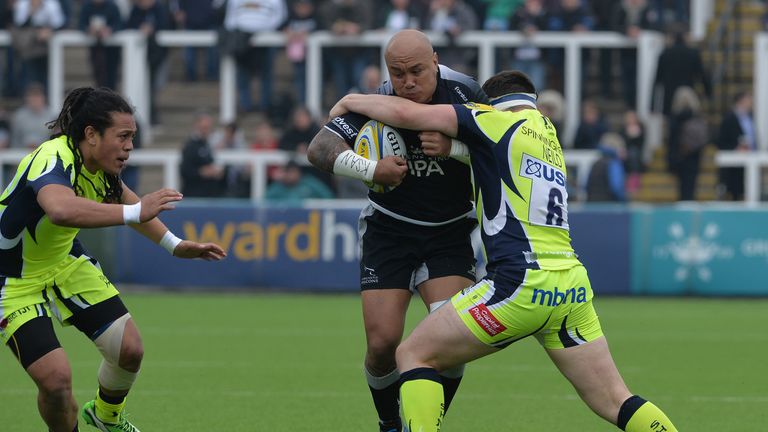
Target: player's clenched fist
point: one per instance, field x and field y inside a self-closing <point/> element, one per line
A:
<point x="390" y="171"/>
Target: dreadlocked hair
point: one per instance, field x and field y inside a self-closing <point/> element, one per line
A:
<point x="83" y="107"/>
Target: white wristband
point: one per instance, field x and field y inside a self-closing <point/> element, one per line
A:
<point x="132" y="213"/>
<point x="169" y="242"/>
<point x="459" y="151"/>
<point x="351" y="164"/>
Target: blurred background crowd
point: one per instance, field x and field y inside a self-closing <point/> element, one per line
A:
<point x="702" y="111"/>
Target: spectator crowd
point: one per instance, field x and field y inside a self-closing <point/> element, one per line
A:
<point x="682" y="83"/>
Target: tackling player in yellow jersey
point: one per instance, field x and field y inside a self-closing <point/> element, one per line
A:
<point x="67" y="183"/>
<point x="536" y="285"/>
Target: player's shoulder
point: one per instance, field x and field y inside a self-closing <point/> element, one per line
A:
<point x="55" y="146"/>
<point x="462" y="86"/>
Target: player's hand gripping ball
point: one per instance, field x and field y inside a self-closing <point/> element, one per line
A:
<point x="376" y="141"/>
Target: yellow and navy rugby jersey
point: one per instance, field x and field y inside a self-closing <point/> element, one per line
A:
<point x="520" y="188"/>
<point x="29" y="243"/>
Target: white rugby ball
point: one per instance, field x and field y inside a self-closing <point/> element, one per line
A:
<point x="376" y="141"/>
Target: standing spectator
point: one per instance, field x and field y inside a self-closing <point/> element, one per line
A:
<point x="452" y="17"/>
<point x="633" y="133"/>
<point x="243" y="19"/>
<point x="591" y="128"/>
<point x="688" y="135"/>
<point x="292" y="186"/>
<point x="149" y="17"/>
<point x="631" y="18"/>
<point x="679" y="65"/>
<point x="571" y="16"/>
<point x="604" y="14"/>
<point x="606" y="181"/>
<point x="399" y="15"/>
<point x="5" y="142"/>
<point x="737" y="132"/>
<point x="28" y="124"/>
<point x="101" y="19"/>
<point x="301" y="22"/>
<point x="35" y="21"/>
<point x="498" y="13"/>
<point x="347" y="18"/>
<point x="197" y="15"/>
<point x="200" y="175"/>
<point x="7" y="73"/>
<point x="529" y="19"/>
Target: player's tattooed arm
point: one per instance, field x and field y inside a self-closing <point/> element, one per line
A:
<point x="325" y="147"/>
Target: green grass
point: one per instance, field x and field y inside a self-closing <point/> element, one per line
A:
<point x="293" y="363"/>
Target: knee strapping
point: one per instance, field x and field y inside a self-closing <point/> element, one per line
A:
<point x="109" y="343"/>
<point x="113" y="377"/>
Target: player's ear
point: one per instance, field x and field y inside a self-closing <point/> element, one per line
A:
<point x="90" y="134"/>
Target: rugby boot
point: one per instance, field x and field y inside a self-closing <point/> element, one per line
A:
<point x="390" y="426"/>
<point x="88" y="413"/>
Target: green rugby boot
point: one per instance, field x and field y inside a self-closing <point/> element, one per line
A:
<point x="88" y="413"/>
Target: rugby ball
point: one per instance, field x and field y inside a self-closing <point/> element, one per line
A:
<point x="376" y="141"/>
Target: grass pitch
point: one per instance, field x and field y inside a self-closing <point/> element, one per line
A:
<point x="268" y="362"/>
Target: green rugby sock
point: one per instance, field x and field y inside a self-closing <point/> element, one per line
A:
<point x="109" y="410"/>
<point x="638" y="415"/>
<point x="421" y="396"/>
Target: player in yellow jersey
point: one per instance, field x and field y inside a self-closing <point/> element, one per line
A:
<point x="68" y="183"/>
<point x="535" y="286"/>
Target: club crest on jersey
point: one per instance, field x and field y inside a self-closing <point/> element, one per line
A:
<point x="533" y="168"/>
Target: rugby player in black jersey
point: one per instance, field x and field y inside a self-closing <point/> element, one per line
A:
<point x="416" y="237"/>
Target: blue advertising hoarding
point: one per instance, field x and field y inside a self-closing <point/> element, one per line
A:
<point x="317" y="249"/>
<point x="267" y="247"/>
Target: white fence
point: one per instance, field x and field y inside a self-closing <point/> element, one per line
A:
<point x="649" y="45"/>
<point x="170" y="162"/>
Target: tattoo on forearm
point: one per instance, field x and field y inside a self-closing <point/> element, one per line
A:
<point x="328" y="147"/>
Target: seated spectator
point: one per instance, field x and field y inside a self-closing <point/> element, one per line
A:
<point x="28" y="124"/>
<point x="369" y="81"/>
<point x="552" y="104"/>
<point x="300" y="131"/>
<point x="498" y="14"/>
<point x="591" y="128"/>
<point x="292" y="186"/>
<point x="100" y="19"/>
<point x="200" y="175"/>
<point x="633" y="133"/>
<point x="688" y="135"/>
<point x="606" y="178"/>
<point x="238" y="177"/>
<point x="265" y="138"/>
